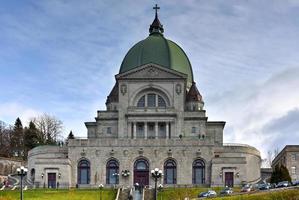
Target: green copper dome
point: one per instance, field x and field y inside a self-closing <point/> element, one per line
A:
<point x="159" y="50"/>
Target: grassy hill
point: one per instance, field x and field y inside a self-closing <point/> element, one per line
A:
<point x="41" y="194"/>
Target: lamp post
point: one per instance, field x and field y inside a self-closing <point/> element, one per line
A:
<point x="156" y="174"/>
<point x="22" y="171"/>
<point x="101" y="188"/>
<point x="125" y="173"/>
<point x="160" y="187"/>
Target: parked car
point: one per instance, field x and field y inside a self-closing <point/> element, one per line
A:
<point x="246" y="188"/>
<point x="226" y="191"/>
<point x="264" y="186"/>
<point x="210" y="193"/>
<point x="283" y="184"/>
<point x="295" y="183"/>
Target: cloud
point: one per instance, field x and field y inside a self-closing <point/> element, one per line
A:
<point x="60" y="57"/>
<point x="252" y="111"/>
<point x="10" y="111"/>
<point x="283" y="130"/>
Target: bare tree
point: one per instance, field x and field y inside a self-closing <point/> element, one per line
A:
<point x="271" y="155"/>
<point x="270" y="158"/>
<point x="50" y="128"/>
<point x="276" y="152"/>
<point x="5" y="135"/>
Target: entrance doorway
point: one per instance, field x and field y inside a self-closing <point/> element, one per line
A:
<point x="51" y="180"/>
<point x="141" y="172"/>
<point x="229" y="179"/>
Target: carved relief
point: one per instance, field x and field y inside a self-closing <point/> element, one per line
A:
<point x="83" y="154"/>
<point x="140" y="151"/>
<point x="178" y="88"/>
<point x="123" y="89"/>
<point x="152" y="72"/>
<point x="112" y="152"/>
<point x="125" y="152"/>
<point x="98" y="153"/>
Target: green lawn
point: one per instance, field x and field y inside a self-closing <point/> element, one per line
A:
<point x="181" y="193"/>
<point x="41" y="194"/>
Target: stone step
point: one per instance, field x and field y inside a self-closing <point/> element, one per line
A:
<point x="149" y="194"/>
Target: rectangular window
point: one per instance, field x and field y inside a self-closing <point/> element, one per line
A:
<point x="109" y="130"/>
<point x="293" y="157"/>
<point x="193" y="129"/>
<point x="293" y="169"/>
<point x="151" y="100"/>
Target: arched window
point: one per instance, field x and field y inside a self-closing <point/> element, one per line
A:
<point x="161" y="102"/>
<point x="141" y="102"/>
<point x="32" y="174"/>
<point x="170" y="172"/>
<point x="83" y="172"/>
<point x="112" y="172"/>
<point x="198" y="172"/>
<point x="151" y="100"/>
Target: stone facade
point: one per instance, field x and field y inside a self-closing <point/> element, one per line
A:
<point x="154" y="118"/>
<point x="289" y="157"/>
<point x="189" y="136"/>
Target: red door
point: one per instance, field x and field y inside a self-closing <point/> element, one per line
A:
<point x="229" y="179"/>
<point x="142" y="178"/>
<point x="141" y="172"/>
<point x="51" y="180"/>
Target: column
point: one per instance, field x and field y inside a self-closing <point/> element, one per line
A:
<point x="156" y="130"/>
<point x="167" y="130"/>
<point x="134" y="130"/>
<point x="145" y="130"/>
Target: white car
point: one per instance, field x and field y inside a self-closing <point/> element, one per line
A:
<point x="210" y="193"/>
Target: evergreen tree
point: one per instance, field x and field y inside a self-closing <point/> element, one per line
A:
<point x="275" y="174"/>
<point x="279" y="174"/>
<point x="31" y="137"/>
<point x="71" y="135"/>
<point x="285" y="176"/>
<point x="16" y="141"/>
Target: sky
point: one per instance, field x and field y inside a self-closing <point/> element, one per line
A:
<point x="60" y="57"/>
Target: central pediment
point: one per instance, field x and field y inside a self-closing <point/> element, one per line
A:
<point x="151" y="71"/>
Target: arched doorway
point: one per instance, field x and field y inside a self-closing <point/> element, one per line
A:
<point x="141" y="172"/>
<point x="32" y="175"/>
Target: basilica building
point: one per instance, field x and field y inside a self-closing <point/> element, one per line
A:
<point x="154" y="118"/>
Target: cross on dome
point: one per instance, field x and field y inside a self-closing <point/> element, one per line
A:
<point x="156" y="26"/>
<point x="156" y="8"/>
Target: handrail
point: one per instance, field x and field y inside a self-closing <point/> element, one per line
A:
<point x="143" y="192"/>
<point x="117" y="195"/>
<point x="131" y="193"/>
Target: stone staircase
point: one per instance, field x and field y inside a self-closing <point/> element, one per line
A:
<point x="124" y="194"/>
